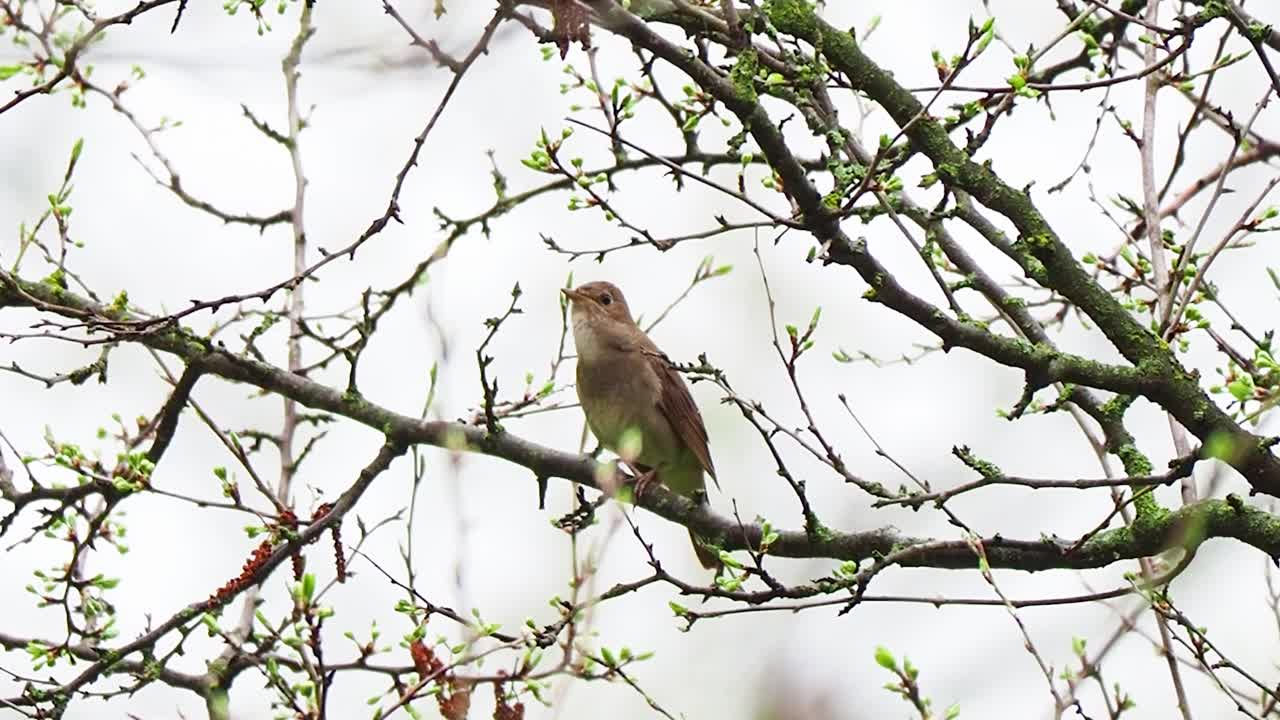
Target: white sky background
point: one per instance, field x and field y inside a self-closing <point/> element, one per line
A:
<point x="372" y="94"/>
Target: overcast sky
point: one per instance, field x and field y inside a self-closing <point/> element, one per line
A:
<point x="482" y="541"/>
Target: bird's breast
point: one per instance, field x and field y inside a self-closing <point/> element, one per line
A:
<point x="619" y="394"/>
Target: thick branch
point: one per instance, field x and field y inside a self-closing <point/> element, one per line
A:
<point x="1157" y="374"/>
<point x="1187" y="527"/>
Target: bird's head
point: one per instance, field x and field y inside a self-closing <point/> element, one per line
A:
<point x="601" y="319"/>
<point x="598" y="301"/>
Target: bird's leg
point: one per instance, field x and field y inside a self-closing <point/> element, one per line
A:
<point x="644" y="477"/>
<point x="644" y="481"/>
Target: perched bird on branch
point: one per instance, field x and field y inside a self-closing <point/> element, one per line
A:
<point x="636" y="404"/>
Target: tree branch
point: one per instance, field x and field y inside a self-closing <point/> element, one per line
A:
<point x="1188" y="526"/>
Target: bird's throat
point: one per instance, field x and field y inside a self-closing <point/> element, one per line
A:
<point x="590" y="338"/>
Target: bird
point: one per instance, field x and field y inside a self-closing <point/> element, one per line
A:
<point x="636" y="404"/>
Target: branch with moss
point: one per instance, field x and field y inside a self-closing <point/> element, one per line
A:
<point x="1156" y="374"/>
<point x="1189" y="525"/>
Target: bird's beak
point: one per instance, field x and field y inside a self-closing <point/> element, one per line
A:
<point x="572" y="294"/>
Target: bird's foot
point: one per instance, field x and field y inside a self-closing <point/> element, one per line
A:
<point x="643" y="481"/>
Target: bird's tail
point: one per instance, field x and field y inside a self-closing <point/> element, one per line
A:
<point x="708" y="557"/>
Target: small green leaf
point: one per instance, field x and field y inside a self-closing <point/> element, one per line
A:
<point x="307" y="589"/>
<point x="1241" y="388"/>
<point x="76" y="149"/>
<point x="813" y="321"/>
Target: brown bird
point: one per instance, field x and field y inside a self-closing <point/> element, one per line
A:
<point x="635" y="403"/>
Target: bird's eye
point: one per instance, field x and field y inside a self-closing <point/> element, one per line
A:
<point x="605" y="299"/>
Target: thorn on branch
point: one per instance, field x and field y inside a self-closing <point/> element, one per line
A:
<point x="182" y="7"/>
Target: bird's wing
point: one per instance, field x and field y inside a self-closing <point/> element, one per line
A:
<point x="677" y="405"/>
